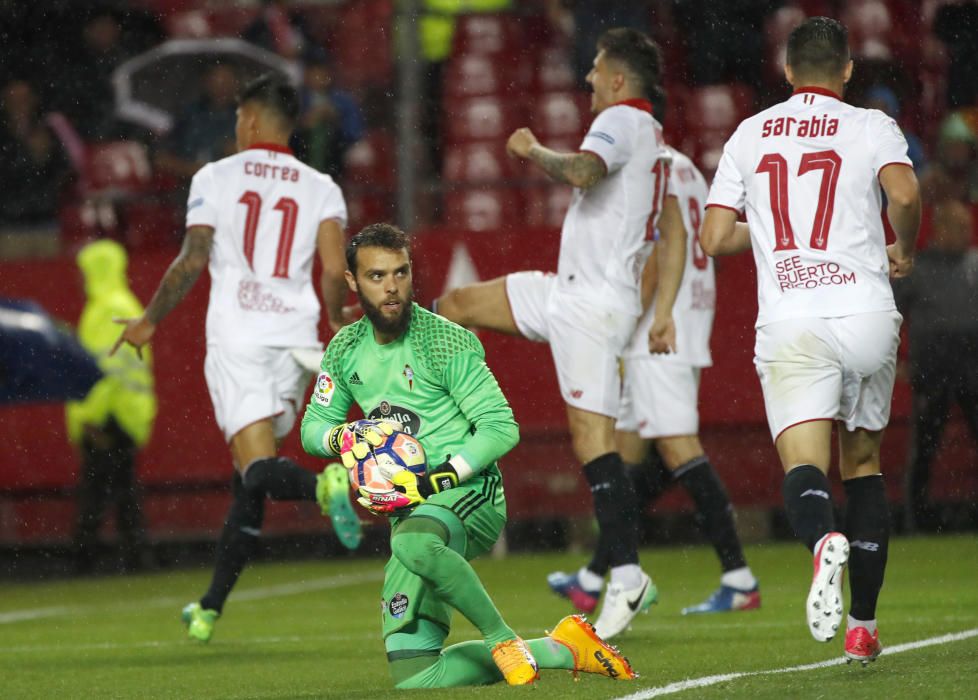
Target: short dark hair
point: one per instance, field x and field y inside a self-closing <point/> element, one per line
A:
<point x="818" y="47"/>
<point x="386" y="236"/>
<point x="638" y="52"/>
<point x="275" y="93"/>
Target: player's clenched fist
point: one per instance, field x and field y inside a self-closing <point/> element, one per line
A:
<point x="520" y="143"/>
<point x="901" y="263"/>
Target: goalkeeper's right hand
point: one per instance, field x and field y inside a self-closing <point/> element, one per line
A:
<point x="351" y="441"/>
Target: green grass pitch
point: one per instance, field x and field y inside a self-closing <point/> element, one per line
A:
<point x="311" y="630"/>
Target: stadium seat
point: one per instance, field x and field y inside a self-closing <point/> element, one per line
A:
<point x="479" y="119"/>
<point x="719" y="107"/>
<point x="560" y="115"/>
<point x="546" y="205"/>
<point x="361" y="42"/>
<point x="484" y="209"/>
<point x="487" y="34"/>
<point x="553" y="71"/>
<point x="477" y="162"/>
<point x="116" y="170"/>
<point x="371" y="160"/>
<point x="472" y="75"/>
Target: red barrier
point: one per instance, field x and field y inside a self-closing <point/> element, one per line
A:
<point x="541" y="476"/>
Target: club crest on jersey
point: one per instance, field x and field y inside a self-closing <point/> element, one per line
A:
<point x="409" y="420"/>
<point x="409" y="375"/>
<point x="323" y="394"/>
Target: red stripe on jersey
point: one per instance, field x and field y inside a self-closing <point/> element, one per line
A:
<point x="818" y="91"/>
<point x="277" y="147"/>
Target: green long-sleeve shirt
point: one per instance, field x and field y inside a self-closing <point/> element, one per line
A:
<point x="433" y="380"/>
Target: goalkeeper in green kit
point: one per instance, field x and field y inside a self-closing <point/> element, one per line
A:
<point x="415" y="371"/>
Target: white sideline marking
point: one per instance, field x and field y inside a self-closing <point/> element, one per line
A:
<point x="276" y="591"/>
<point x="680" y="686"/>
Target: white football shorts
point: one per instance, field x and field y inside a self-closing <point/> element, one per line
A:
<point x="585" y="340"/>
<point x="250" y="383"/>
<point x="828" y="369"/>
<point x="659" y="399"/>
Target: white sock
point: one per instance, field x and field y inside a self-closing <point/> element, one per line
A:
<point x="627" y="575"/>
<point x="742" y="579"/>
<point x="870" y="625"/>
<point x="590" y="581"/>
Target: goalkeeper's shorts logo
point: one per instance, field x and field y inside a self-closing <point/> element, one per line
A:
<point x="398" y="605"/>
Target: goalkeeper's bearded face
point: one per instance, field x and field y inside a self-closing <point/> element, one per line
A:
<point x="383" y="284"/>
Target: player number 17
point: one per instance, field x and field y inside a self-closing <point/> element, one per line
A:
<point x="776" y="167"/>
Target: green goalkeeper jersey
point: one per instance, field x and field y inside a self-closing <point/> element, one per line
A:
<point x="433" y="380"/>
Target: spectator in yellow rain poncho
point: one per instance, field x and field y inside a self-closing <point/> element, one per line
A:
<point x="116" y="418"/>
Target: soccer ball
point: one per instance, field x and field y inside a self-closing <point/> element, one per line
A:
<point x="398" y="451"/>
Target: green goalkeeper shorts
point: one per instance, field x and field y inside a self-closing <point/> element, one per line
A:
<point x="473" y="524"/>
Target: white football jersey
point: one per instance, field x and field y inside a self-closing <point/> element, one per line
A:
<point x="608" y="226"/>
<point x="807" y="173"/>
<point x="265" y="207"/>
<point x="696" y="300"/>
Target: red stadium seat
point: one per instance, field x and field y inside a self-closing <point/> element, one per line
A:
<point x="361" y="42"/>
<point x="487" y="34"/>
<point x="719" y="107"/>
<point x="547" y="205"/>
<point x="477" y="162"/>
<point x="553" y="71"/>
<point x="371" y="160"/>
<point x="116" y="169"/>
<point x="472" y="75"/>
<point x="479" y="119"/>
<point x="483" y="209"/>
<point x="560" y="114"/>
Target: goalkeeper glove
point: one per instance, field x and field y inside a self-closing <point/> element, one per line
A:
<point x="410" y="490"/>
<point x="342" y="439"/>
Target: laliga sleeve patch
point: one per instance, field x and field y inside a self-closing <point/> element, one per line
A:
<point x="323" y="393"/>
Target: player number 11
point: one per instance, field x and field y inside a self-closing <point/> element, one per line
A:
<point x="775" y="165"/>
<point x="290" y="212"/>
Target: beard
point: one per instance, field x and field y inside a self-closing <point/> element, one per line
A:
<point x="396" y="326"/>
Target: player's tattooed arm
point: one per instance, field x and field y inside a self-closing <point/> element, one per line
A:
<point x="578" y="169"/>
<point x="182" y="273"/>
<point x="581" y="170"/>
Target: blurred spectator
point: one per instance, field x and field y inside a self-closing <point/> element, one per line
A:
<point x="330" y="122"/>
<point x="84" y="85"/>
<point x="885" y="100"/>
<point x="726" y="39"/>
<point x="586" y="20"/>
<point x="953" y="174"/>
<point x="956" y="24"/>
<point x="940" y="298"/>
<point x="205" y="131"/>
<point x="278" y="30"/>
<point x="116" y="417"/>
<point x="33" y="166"/>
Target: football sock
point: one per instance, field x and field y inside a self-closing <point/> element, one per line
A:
<point x="714" y="512"/>
<point x="742" y="579"/>
<point x="614" y="506"/>
<point x="470" y="663"/>
<point x="649" y="480"/>
<point x="808" y="501"/>
<point x="239" y="538"/>
<point x="868" y="528"/>
<point x="627" y="575"/>
<point x="591" y="580"/>
<point x="426" y="553"/>
<point x="280" y="479"/>
<point x="852" y="622"/>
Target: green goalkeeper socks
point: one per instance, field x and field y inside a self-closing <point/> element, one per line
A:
<point x="426" y="554"/>
<point x="470" y="663"/>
